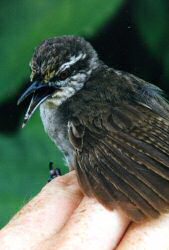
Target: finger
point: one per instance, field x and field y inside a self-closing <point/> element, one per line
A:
<point x="91" y="227"/>
<point x="45" y="214"/>
<point x="149" y="235"/>
<point x="62" y="196"/>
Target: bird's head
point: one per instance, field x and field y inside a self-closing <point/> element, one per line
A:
<point x="60" y="67"/>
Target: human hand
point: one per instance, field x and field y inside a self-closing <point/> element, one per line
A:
<point x="60" y="217"/>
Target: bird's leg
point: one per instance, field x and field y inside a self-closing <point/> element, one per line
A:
<point x="53" y="172"/>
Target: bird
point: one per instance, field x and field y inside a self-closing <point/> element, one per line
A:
<point x="112" y="126"/>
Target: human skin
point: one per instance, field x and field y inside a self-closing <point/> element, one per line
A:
<point x="60" y="217"/>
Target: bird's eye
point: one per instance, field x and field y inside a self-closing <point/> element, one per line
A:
<point x="64" y="74"/>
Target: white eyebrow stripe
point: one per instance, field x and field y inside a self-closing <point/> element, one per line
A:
<point x="72" y="61"/>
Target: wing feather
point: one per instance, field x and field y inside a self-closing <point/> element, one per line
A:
<point x="122" y="159"/>
<point x="135" y="183"/>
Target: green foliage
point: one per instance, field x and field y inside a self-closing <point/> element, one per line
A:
<point x="152" y="19"/>
<point x="24" y="24"/>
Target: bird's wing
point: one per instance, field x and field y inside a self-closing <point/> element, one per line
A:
<point x="122" y="159"/>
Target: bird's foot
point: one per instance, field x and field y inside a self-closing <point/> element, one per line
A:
<point x="53" y="172"/>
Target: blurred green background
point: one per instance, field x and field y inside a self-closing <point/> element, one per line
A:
<point x="128" y="35"/>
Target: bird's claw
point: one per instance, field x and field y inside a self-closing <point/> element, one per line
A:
<point x="53" y="172"/>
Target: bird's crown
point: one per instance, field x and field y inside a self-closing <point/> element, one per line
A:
<point x="62" y="54"/>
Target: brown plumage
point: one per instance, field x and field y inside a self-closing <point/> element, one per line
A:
<point x="124" y="163"/>
<point x="112" y="126"/>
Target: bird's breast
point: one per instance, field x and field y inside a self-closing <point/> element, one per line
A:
<point x="55" y="125"/>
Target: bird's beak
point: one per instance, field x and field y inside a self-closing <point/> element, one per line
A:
<point x="40" y="92"/>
